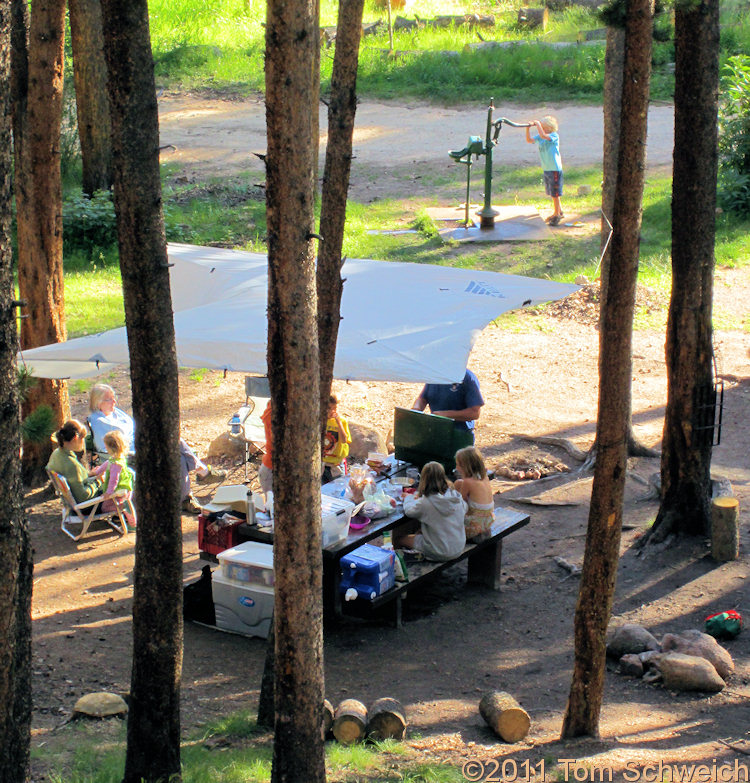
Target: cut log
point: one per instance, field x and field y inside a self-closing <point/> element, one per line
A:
<point x="350" y="721"/>
<point x="386" y="720"/>
<point x="505" y="716"/>
<point x="533" y="18"/>
<point x="325" y="728"/>
<point x="725" y="529"/>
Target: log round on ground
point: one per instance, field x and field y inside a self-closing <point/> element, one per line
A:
<point x="725" y="532"/>
<point x="505" y="716"/>
<point x="327" y="724"/>
<point x="350" y="721"/>
<point x="386" y="720"/>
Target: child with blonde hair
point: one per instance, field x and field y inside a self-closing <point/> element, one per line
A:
<point x="440" y="511"/>
<point x="118" y="478"/>
<point x="476" y="490"/>
<point x="548" y="143"/>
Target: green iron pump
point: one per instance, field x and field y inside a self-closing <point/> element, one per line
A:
<point x="475" y="146"/>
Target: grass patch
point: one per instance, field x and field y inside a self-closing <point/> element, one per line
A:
<point x="94" y="752"/>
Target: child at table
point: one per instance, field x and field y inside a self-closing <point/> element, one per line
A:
<point x="118" y="478"/>
<point x="476" y="490"/>
<point x="440" y="510"/>
<point x="336" y="442"/>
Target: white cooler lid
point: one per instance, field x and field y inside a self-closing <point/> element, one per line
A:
<point x="249" y="553"/>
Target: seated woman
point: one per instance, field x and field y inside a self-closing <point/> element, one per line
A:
<point x="105" y="416"/>
<point x="440" y="511"/>
<point x="70" y="439"/>
<point x="476" y="490"/>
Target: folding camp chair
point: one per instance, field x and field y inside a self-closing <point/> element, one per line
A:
<point x="257" y="394"/>
<point x="87" y="511"/>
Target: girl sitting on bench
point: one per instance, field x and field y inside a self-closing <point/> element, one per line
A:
<point x="440" y="511"/>
<point x="476" y="490"/>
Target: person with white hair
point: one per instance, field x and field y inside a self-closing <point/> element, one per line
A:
<point x="105" y="416"/>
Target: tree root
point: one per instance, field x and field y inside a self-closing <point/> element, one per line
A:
<point x="563" y="443"/>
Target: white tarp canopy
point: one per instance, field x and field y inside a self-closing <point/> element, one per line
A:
<point x="400" y="321"/>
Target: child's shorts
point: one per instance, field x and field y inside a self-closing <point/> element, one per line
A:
<point x="553" y="183"/>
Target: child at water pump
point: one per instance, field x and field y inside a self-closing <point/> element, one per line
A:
<point x="548" y="143"/>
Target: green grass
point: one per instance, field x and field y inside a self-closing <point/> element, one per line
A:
<point x="231" y="213"/>
<point x="230" y="750"/>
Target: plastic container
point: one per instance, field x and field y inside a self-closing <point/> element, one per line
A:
<point x="250" y="563"/>
<point x="336" y="513"/>
<point x="369" y="570"/>
<point x="241" y="608"/>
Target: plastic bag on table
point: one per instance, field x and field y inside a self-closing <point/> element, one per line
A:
<point x="377" y="503"/>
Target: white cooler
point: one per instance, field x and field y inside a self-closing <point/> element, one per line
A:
<point x="242" y="608"/>
<point x="243" y="589"/>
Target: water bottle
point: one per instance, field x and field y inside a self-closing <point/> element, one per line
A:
<point x="234" y="424"/>
<point x="250" y="508"/>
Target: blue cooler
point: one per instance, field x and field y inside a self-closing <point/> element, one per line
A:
<point x="369" y="571"/>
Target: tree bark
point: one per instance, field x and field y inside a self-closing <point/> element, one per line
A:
<point x="15" y="549"/>
<point x="341" y="111"/>
<point x="153" y="741"/>
<point x="92" y="102"/>
<point x="686" y="451"/>
<point x="38" y="189"/>
<point x="294" y="373"/>
<point x="601" y="557"/>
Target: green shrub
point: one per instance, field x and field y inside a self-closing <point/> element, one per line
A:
<point x="89" y="223"/>
<point x="39" y="425"/>
<point x="734" y="136"/>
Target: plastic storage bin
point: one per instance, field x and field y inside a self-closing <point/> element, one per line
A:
<point x="242" y="608"/>
<point x="336" y="515"/>
<point x="250" y="563"/>
<point x="369" y="570"/>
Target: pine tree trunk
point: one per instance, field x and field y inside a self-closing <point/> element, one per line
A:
<point x="341" y="111"/>
<point x="38" y="191"/>
<point x="294" y="372"/>
<point x="686" y="450"/>
<point x="601" y="557"/>
<point x="153" y="742"/>
<point x="92" y="103"/>
<point x="15" y="548"/>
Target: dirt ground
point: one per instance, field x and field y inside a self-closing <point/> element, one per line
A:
<point x="457" y="642"/>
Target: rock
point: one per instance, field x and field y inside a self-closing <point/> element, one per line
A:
<point x="631" y="665"/>
<point x="631" y="638"/>
<point x="226" y="447"/>
<point x="682" y="672"/>
<point x="582" y="280"/>
<point x="100" y="705"/>
<point x="364" y="440"/>
<point x="702" y="645"/>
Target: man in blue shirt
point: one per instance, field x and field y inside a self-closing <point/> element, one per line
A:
<point x="461" y="402"/>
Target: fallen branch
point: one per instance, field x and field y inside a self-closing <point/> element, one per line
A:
<point x="735" y="748"/>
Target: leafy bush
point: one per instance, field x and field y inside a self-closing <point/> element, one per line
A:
<point x="734" y="136"/>
<point x="89" y="223"/>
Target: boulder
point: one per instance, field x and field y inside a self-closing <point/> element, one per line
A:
<point x="364" y="440"/>
<point x="226" y="446"/>
<point x="630" y="638"/>
<point x="100" y="705"/>
<point x="682" y="672"/>
<point x="694" y="642"/>
<point x="631" y="666"/>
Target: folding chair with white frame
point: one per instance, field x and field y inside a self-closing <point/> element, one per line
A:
<point x="257" y="394"/>
<point x="88" y="511"/>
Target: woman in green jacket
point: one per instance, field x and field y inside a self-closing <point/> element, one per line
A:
<point x="70" y="438"/>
